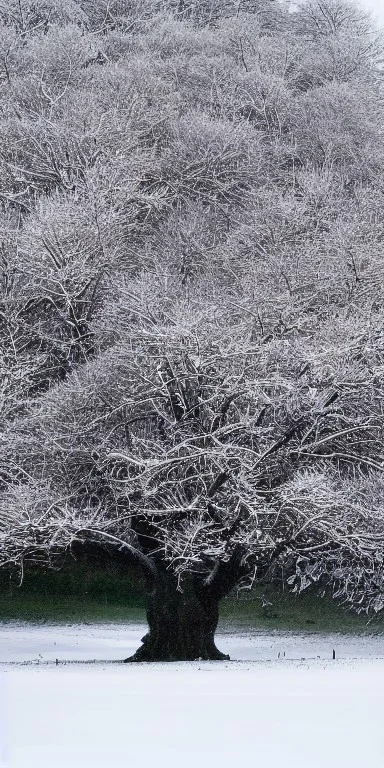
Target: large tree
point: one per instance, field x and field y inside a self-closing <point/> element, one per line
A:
<point x="192" y="345"/>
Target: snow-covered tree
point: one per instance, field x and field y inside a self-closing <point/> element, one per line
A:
<point x="192" y="339"/>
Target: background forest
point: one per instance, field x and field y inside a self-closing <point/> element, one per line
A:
<point x="191" y="290"/>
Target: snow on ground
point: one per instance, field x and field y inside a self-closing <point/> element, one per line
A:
<point x="195" y="716"/>
<point x="25" y="642"/>
<point x="278" y="714"/>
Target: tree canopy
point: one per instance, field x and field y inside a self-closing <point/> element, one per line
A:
<point x="191" y="289"/>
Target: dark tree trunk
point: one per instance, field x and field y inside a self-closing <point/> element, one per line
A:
<point x="182" y="625"/>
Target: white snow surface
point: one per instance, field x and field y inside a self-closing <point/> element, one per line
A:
<point x="83" y="642"/>
<point x="289" y="712"/>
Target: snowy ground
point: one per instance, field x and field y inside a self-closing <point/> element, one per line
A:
<point x="282" y="713"/>
<point x="20" y="643"/>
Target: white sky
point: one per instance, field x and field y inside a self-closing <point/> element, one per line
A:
<point x="377" y="8"/>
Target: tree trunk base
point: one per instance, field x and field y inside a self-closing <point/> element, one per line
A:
<point x="182" y="625"/>
<point x="142" y="655"/>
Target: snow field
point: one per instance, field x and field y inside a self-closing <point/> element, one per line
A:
<point x="21" y="642"/>
<point x="281" y="713"/>
<point x="194" y="715"/>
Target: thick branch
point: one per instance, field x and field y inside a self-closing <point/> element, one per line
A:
<point x="109" y="541"/>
